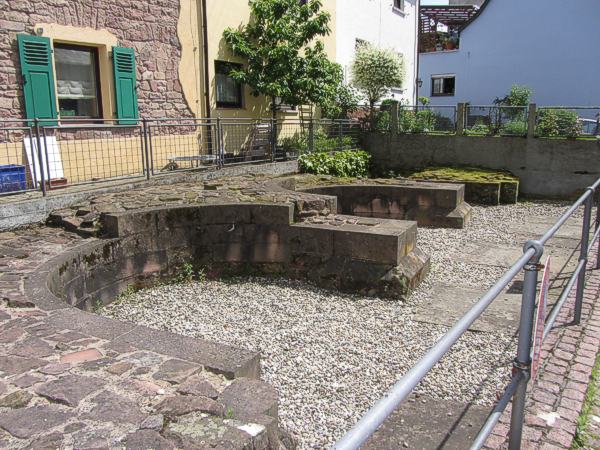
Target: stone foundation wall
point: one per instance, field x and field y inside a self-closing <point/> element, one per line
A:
<point x="429" y="204"/>
<point x="555" y="168"/>
<point x="149" y="27"/>
<point x="371" y="256"/>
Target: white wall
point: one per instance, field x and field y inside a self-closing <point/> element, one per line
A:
<point x="549" y="45"/>
<point x="377" y="22"/>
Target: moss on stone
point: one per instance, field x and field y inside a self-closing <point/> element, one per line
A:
<point x="468" y="174"/>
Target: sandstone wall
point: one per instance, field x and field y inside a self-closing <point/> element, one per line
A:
<point x="148" y="26"/>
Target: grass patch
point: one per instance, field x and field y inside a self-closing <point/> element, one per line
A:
<point x="592" y="399"/>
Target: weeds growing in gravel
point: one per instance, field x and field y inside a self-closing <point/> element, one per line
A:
<point x="592" y="398"/>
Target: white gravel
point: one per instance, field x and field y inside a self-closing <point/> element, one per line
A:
<point x="331" y="355"/>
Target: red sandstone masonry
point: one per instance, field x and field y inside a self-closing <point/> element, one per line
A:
<point x="149" y="27"/>
<point x="568" y="357"/>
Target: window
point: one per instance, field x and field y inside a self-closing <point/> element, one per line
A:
<point x="359" y="43"/>
<point x="442" y="85"/>
<point x="399" y="4"/>
<point x="229" y="91"/>
<point x="77" y="81"/>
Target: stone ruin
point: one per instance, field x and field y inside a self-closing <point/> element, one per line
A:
<point x="353" y="237"/>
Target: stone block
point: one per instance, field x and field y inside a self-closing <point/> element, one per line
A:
<point x="249" y="396"/>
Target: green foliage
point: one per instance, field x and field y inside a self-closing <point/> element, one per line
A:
<point x="344" y="101"/>
<point x="515" y="128"/>
<point x="518" y="96"/>
<point x="298" y="143"/>
<point x="284" y="56"/>
<point x="348" y="163"/>
<point x="423" y="101"/>
<point x="187" y="273"/>
<point x="557" y="123"/>
<point x="375" y="71"/>
<point x="422" y="121"/>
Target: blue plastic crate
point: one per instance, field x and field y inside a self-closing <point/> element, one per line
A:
<point x="12" y="178"/>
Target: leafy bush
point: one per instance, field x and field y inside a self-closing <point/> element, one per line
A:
<point x="515" y="127"/>
<point x="410" y="121"/>
<point x="348" y="163"/>
<point x="557" y="122"/>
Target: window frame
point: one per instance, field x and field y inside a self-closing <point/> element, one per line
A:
<point x="228" y="105"/>
<point x="96" y="55"/>
<point x="399" y="5"/>
<point x="443" y="78"/>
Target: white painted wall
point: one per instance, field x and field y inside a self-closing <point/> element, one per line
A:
<point x="379" y="23"/>
<point x="549" y="45"/>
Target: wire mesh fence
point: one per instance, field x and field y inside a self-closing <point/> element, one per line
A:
<point x="19" y="158"/>
<point x="496" y="120"/>
<point x="181" y="144"/>
<point x="432" y="119"/>
<point x="246" y="141"/>
<point x="567" y="121"/>
<point x="79" y="153"/>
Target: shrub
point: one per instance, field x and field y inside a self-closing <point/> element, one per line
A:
<point x="410" y="121"/>
<point x="515" y="127"/>
<point x="348" y="163"/>
<point x="557" y="122"/>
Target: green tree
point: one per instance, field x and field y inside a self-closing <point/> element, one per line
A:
<point x="284" y="56"/>
<point x="375" y="71"/>
<point x="344" y="101"/>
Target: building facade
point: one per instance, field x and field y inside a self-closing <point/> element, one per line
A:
<point x="538" y="43"/>
<point x="389" y="24"/>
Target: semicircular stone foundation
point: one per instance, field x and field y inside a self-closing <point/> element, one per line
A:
<point x="298" y="235"/>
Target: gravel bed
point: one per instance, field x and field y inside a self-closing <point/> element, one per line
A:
<point x="331" y="355"/>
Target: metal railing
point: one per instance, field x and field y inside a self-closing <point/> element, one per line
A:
<point x="517" y="388"/>
<point x="565" y="122"/>
<point x="37" y="156"/>
<point x="496" y="120"/>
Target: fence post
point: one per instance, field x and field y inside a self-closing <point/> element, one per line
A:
<point x="585" y="239"/>
<point x="220" y="149"/>
<point x="38" y="142"/>
<point x="596" y="226"/>
<point x="273" y="138"/>
<point x="146" y="151"/>
<point x="522" y="362"/>
<point x="531" y="120"/>
<point x="460" y="119"/>
<point x="394" y="118"/>
<point x="340" y="135"/>
<point x="311" y="136"/>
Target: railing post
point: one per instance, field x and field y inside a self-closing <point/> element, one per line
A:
<point x="596" y="226"/>
<point x="220" y="149"/>
<point x="273" y="138"/>
<point x="460" y="119"/>
<point x="146" y="151"/>
<point x="311" y="136"/>
<point x="531" y="120"/>
<point x="522" y="362"/>
<point x="585" y="239"/>
<point x="38" y="142"/>
<point x="394" y="118"/>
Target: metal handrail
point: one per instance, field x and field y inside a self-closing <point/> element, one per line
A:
<point x="516" y="390"/>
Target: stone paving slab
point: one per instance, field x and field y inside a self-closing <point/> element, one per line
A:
<point x="446" y="304"/>
<point x="423" y="423"/>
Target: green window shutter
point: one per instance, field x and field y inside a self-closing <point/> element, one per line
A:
<point x="125" y="85"/>
<point x="39" y="89"/>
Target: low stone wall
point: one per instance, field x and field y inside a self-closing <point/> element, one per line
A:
<point x="144" y="246"/>
<point x="429" y="204"/>
<point x="556" y="168"/>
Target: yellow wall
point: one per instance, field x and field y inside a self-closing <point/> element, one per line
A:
<point x="236" y="13"/>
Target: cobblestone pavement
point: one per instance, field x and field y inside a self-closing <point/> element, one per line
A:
<point x="568" y="357"/>
<point x="68" y="382"/>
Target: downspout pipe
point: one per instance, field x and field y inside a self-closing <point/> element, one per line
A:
<point x="205" y="59"/>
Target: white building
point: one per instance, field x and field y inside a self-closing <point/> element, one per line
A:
<point x="388" y="24"/>
<point x="551" y="46"/>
